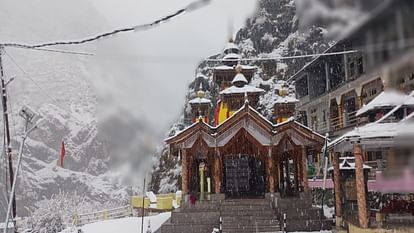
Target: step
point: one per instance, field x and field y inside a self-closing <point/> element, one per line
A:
<point x="196" y="217"/>
<point x="259" y="222"/>
<point x="248" y="213"/>
<point x="313" y="213"/>
<point x="247" y="218"/>
<point x="251" y="229"/>
<point x="186" y="228"/>
<point x="245" y="208"/>
<point x="308" y="225"/>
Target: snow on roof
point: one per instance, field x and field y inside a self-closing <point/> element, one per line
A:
<point x="239" y="78"/>
<point x="232" y="56"/>
<point x="369" y="131"/>
<point x="231" y="45"/>
<point x="244" y="89"/>
<point x="199" y="100"/>
<point x="224" y="67"/>
<point x="388" y="98"/>
<point x="200" y="75"/>
<point x="286" y="99"/>
<point x="348" y="163"/>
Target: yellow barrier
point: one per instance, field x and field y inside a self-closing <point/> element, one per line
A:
<point x="171" y="195"/>
<point x="178" y="200"/>
<point x="164" y="203"/>
<point x="136" y="202"/>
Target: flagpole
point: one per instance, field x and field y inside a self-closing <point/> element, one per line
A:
<point x="325" y="168"/>
<point x="143" y="202"/>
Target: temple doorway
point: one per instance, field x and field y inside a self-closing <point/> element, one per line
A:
<point x="244" y="176"/>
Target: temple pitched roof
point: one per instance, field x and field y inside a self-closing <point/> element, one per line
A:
<point x="239" y="78"/>
<point x="241" y="90"/>
<point x="246" y="118"/>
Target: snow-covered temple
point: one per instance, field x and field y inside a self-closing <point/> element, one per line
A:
<point x="241" y="153"/>
<point x="246" y="155"/>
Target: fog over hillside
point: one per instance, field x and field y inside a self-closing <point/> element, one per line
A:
<point x="111" y="109"/>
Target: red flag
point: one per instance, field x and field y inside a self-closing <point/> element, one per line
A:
<point x="62" y="153"/>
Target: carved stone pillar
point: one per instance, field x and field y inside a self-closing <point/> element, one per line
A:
<point x="360" y="187"/>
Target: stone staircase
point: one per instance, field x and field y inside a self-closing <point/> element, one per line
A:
<point x="199" y="218"/>
<point x="248" y="216"/>
<point x="300" y="214"/>
<point x="238" y="216"/>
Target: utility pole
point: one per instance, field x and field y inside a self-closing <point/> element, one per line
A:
<point x="143" y="208"/>
<point x="7" y="133"/>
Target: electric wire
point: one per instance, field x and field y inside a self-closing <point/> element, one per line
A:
<point x="190" y="7"/>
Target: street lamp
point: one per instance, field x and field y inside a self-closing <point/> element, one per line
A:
<point x="28" y="115"/>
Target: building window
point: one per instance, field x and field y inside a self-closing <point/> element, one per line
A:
<point x="324" y="116"/>
<point x="303" y="118"/>
<point x="302" y="87"/>
<point x="351" y="69"/>
<point x="360" y="66"/>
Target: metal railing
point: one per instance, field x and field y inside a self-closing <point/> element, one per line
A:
<point x="107" y="214"/>
<point x="347" y="119"/>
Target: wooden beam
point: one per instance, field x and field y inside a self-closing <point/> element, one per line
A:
<point x="217" y="176"/>
<point x="337" y="187"/>
<point x="305" y="169"/>
<point x="270" y="172"/>
<point x="360" y="187"/>
<point x="184" y="172"/>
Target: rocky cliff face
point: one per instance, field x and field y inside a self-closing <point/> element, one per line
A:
<point x="271" y="33"/>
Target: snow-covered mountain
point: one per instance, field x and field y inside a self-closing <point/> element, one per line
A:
<point x="60" y="87"/>
<point x="271" y="33"/>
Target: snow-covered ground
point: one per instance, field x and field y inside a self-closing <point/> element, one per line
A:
<point x="125" y="225"/>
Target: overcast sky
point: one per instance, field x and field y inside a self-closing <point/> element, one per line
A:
<point x="145" y="72"/>
<point x="160" y="63"/>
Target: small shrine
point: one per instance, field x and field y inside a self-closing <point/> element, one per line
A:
<point x="285" y="105"/>
<point x="223" y="74"/>
<point x="200" y="107"/>
<point x="233" y="97"/>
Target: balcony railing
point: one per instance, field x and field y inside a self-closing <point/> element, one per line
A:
<point x="348" y="119"/>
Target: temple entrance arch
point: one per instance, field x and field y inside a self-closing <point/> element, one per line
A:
<point x="244" y="176"/>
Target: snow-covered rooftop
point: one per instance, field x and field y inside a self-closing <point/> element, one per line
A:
<point x="232" y="56"/>
<point x="388" y="98"/>
<point x="369" y="131"/>
<point x="224" y="67"/>
<point x="239" y="78"/>
<point x="200" y="75"/>
<point x="286" y="99"/>
<point x="244" y="89"/>
<point x="231" y="46"/>
<point x="199" y="100"/>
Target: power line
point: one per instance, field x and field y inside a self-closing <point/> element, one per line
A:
<point x="60" y="51"/>
<point x="281" y="58"/>
<point x="191" y="7"/>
